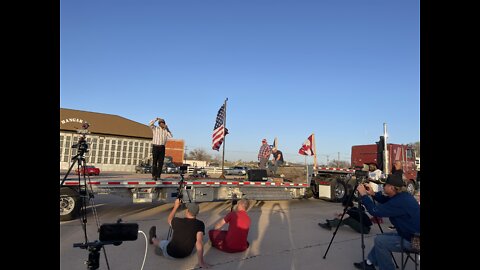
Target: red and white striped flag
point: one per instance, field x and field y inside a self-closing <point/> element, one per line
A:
<point x="219" y="131"/>
<point x="307" y="147"/>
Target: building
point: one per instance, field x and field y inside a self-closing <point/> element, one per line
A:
<point x="114" y="143"/>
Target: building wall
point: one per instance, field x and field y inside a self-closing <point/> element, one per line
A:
<point x="114" y="153"/>
<point x="109" y="153"/>
<point x="175" y="149"/>
<point x="114" y="142"/>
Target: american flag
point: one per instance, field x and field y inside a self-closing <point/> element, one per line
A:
<point x="219" y="131"/>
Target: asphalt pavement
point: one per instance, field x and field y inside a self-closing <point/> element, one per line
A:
<point x="283" y="235"/>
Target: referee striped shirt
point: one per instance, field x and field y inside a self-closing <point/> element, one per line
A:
<point x="160" y="135"/>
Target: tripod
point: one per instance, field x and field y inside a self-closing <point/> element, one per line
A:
<point x="181" y="186"/>
<point x="84" y="195"/>
<point x="361" y="211"/>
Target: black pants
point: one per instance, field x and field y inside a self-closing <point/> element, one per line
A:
<point x="158" y="154"/>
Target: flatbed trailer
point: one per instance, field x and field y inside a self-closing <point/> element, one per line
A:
<point x="166" y="190"/>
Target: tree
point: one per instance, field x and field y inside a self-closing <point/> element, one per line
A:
<point x="199" y="154"/>
<point x="416" y="147"/>
<point x="339" y="164"/>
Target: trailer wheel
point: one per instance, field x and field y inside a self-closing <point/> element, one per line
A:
<point x="411" y="187"/>
<point x="69" y="204"/>
<point x="339" y="190"/>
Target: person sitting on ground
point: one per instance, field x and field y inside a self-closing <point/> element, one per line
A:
<point x="235" y="238"/>
<point x="351" y="218"/>
<point x="187" y="233"/>
<point x="404" y="213"/>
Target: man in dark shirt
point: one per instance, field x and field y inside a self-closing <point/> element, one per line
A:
<point x="352" y="219"/>
<point x="277" y="160"/>
<point x="187" y="233"/>
<point x="397" y="168"/>
<point x="404" y="213"/>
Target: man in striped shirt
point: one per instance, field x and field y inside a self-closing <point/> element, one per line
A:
<point x="161" y="133"/>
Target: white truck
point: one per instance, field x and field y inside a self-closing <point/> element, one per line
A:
<point x="236" y="170"/>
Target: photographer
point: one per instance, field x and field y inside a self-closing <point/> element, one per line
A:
<point x="161" y="133"/>
<point x="352" y="219"/>
<point x="404" y="213"/>
<point x="187" y="233"/>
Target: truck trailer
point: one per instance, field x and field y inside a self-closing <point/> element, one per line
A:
<point x="72" y="191"/>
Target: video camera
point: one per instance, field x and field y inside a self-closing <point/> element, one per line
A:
<point x="82" y="145"/>
<point x="361" y="175"/>
<point x="183" y="169"/>
<point x="364" y="178"/>
<point x="110" y="233"/>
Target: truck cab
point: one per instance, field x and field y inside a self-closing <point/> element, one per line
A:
<point x="369" y="154"/>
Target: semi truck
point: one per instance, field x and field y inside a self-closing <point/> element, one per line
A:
<point x="335" y="183"/>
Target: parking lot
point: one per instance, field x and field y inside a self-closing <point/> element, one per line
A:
<point x="283" y="235"/>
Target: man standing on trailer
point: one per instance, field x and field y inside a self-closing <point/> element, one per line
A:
<point x="161" y="133"/>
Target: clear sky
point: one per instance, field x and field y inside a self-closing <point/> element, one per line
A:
<point x="289" y="68"/>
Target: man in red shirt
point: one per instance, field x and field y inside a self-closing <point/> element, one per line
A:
<point x="235" y="239"/>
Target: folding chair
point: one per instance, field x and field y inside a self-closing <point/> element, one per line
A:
<point x="412" y="253"/>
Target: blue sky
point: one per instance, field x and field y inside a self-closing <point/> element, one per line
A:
<point x="335" y="68"/>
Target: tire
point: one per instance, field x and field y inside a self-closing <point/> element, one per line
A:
<point x="308" y="193"/>
<point x="69" y="204"/>
<point x="411" y="187"/>
<point x="338" y="189"/>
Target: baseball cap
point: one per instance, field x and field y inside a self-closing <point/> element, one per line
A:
<point x="192" y="208"/>
<point x="264" y="140"/>
<point x="161" y="120"/>
<point x="395" y="180"/>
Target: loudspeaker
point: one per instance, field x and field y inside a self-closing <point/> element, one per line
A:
<point x="257" y="175"/>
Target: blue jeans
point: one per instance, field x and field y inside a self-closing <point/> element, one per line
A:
<point x="385" y="243"/>
<point x="274" y="166"/>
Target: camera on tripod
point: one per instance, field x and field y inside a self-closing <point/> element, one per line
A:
<point x="112" y="233"/>
<point x="81" y="146"/>
<point x="183" y="169"/>
<point x="362" y="176"/>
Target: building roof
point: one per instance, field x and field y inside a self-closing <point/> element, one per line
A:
<point x="101" y="123"/>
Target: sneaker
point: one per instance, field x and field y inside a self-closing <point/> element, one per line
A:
<point x="152" y="233"/>
<point x="325" y="226"/>
<point x="359" y="265"/>
<point x="391" y="227"/>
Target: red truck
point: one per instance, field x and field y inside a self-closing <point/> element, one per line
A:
<point x="335" y="183"/>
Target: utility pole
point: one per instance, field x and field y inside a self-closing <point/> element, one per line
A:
<point x="338" y="160"/>
<point x="184" y="156"/>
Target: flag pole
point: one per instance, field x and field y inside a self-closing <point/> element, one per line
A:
<point x="314" y="152"/>
<point x="222" y="176"/>
<point x="306" y="167"/>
